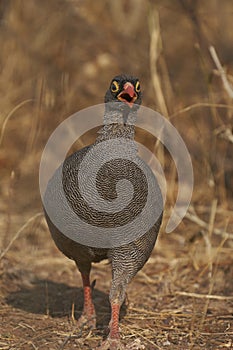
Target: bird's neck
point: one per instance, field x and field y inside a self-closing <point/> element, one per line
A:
<point x="117" y="125"/>
<point x="115" y="130"/>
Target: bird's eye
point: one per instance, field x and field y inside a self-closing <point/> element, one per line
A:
<point x="137" y="86"/>
<point x="114" y="86"/>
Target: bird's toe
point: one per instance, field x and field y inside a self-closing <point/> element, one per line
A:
<point x="111" y="344"/>
<point x="87" y="321"/>
<point x="135" y="345"/>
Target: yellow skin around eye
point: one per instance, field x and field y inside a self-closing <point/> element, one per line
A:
<point x="115" y="86"/>
<point x="137" y="86"/>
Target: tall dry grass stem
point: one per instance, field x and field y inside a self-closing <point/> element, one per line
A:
<point x="11" y="113"/>
<point x="155" y="51"/>
<point x="226" y="84"/>
<point x="18" y="233"/>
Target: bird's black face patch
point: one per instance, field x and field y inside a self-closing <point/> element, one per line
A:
<point x="125" y="89"/>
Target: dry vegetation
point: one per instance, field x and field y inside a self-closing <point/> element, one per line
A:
<point x="57" y="57"/>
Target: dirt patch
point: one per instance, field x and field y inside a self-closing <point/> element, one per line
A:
<point x="59" y="58"/>
<point x="175" y="302"/>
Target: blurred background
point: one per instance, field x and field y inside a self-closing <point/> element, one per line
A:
<point x="59" y="56"/>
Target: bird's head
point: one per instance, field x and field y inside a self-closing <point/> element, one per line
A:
<point x="125" y="89"/>
<point x="123" y="96"/>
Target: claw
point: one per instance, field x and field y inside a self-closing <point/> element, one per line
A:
<point x="135" y="345"/>
<point x="111" y="344"/>
<point x="115" y="344"/>
<point x="86" y="321"/>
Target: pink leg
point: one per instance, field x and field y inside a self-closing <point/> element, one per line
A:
<point x="88" y="316"/>
<point x="113" y="341"/>
<point x="114" y="323"/>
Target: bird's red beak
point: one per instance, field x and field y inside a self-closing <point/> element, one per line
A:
<point x="128" y="95"/>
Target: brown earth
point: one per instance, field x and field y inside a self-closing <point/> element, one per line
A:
<point x="58" y="57"/>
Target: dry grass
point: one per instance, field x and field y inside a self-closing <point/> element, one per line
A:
<point x="182" y="299"/>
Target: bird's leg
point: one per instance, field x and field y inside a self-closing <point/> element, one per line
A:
<point x="114" y="322"/>
<point x="88" y="317"/>
<point x="117" y="295"/>
<point x="113" y="341"/>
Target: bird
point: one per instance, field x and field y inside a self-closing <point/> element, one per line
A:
<point x="130" y="252"/>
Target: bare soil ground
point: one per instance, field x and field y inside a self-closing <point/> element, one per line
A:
<point x="58" y="58"/>
<point x="180" y="300"/>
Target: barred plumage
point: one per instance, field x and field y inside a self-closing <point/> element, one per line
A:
<point x="126" y="259"/>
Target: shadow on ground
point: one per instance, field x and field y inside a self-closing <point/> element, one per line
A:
<point x="58" y="300"/>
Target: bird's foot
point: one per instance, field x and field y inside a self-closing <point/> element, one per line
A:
<point x="87" y="321"/>
<point x="135" y="345"/>
<point x="115" y="344"/>
<point x="111" y="344"/>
